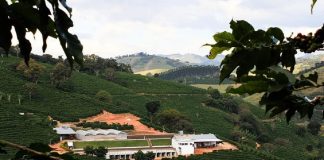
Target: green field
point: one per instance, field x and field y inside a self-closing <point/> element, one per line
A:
<point x="151" y="71"/>
<point x="161" y="142"/>
<point x="121" y="143"/>
<point x="221" y="87"/>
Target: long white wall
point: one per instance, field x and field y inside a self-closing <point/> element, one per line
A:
<point x="100" y="137"/>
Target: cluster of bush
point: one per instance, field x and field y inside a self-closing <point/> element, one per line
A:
<point x="144" y="156"/>
<point x="222" y="102"/>
<point x="99" y="152"/>
<point x="171" y="120"/>
<point x="103" y="125"/>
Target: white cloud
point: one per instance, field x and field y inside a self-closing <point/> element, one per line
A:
<point x="115" y="27"/>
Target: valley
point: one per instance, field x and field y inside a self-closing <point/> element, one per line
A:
<point x="129" y="94"/>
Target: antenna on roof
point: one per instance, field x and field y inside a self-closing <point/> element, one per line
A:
<point x="181" y="132"/>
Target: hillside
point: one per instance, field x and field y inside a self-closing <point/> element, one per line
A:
<point x="306" y="62"/>
<point x="315" y="91"/>
<point x="129" y="95"/>
<point x="193" y="74"/>
<point x="143" y="62"/>
<point x="195" y="59"/>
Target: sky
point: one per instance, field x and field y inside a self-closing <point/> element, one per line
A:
<point x="111" y="28"/>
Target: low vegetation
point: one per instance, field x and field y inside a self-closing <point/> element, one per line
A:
<point x="99" y="152"/>
<point x="161" y="142"/>
<point x="104" y="96"/>
<point x="173" y="121"/>
<point x="144" y="156"/>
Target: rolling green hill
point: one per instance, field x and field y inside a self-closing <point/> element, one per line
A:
<point x="143" y="62"/>
<point x="129" y="94"/>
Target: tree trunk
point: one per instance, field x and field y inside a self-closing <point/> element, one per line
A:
<point x="30" y="96"/>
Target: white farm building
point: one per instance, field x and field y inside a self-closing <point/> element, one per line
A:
<point x="185" y="144"/>
<point x="180" y="144"/>
<point x="100" y="134"/>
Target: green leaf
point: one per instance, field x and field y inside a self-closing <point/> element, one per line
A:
<point x="26" y="15"/>
<point x="311" y="77"/>
<point x="5" y="27"/>
<point x="290" y="76"/>
<point x="261" y="58"/>
<point x="288" y="58"/>
<point x="226" y="71"/>
<point x="75" y="48"/>
<point x="276" y="33"/>
<point x="63" y="21"/>
<point x="24" y="44"/>
<point x="289" y="114"/>
<point x="240" y="29"/>
<point x="278" y="110"/>
<point x="243" y="70"/>
<point x="46" y="25"/>
<point x="251" y="87"/>
<point x="259" y="38"/>
<point x="224" y="36"/>
<point x="215" y="51"/>
<point x="70" y="43"/>
<point x="304" y="83"/>
<point x="69" y="9"/>
<point x="312" y="5"/>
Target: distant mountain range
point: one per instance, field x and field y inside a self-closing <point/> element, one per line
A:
<point x="145" y="62"/>
<point x="195" y="59"/>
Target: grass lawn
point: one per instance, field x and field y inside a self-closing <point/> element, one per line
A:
<point x="161" y="142"/>
<point x="124" y="143"/>
<point x="152" y="71"/>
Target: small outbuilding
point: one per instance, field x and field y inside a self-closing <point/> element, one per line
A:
<point x="185" y="144"/>
<point x="65" y="132"/>
<point x="70" y="144"/>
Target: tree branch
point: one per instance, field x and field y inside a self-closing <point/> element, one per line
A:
<point x="303" y="88"/>
<point x="13" y="145"/>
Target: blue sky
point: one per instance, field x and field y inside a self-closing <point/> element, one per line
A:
<point x="116" y="27"/>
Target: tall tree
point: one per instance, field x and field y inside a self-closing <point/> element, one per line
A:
<point x="100" y="151"/>
<point x="149" y="156"/>
<point x="174" y="120"/>
<point x="152" y="108"/>
<point x="109" y="73"/>
<point x="31" y="72"/>
<point x="139" y="155"/>
<point x="60" y="73"/>
<point x="89" y="150"/>
<point x="104" y="96"/>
